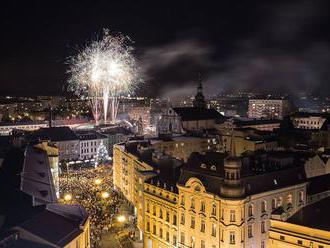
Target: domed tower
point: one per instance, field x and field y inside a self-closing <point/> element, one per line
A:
<point x="232" y="187"/>
<point x="199" y="101"/>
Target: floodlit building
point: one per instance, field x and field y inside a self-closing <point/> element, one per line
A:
<point x="136" y="113"/>
<point x="311" y="120"/>
<point x="89" y="142"/>
<point x="52" y="153"/>
<point x="194" y="119"/>
<point x="116" y="135"/>
<point x="248" y="139"/>
<point x="309" y="227"/>
<point x="268" y="108"/>
<point x="133" y="163"/>
<point x="210" y="201"/>
<point x="180" y="147"/>
<point x="262" y="125"/>
<point x="189" y="119"/>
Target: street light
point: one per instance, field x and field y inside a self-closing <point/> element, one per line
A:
<point x="121" y="218"/>
<point x="67" y="197"/>
<point x="98" y="181"/>
<point x="105" y="195"/>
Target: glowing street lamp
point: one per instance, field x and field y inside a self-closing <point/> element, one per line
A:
<point x="105" y="195"/>
<point x="98" y="181"/>
<point x="67" y="197"/>
<point x="121" y="218"/>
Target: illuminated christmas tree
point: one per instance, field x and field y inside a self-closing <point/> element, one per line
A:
<point x="102" y="155"/>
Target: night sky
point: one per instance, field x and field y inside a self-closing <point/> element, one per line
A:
<point x="250" y="45"/>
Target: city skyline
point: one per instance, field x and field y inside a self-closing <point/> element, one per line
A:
<point x="165" y="125"/>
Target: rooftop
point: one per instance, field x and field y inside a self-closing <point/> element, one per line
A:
<point x="192" y="113"/>
<point x="89" y="135"/>
<point x="53" y="134"/>
<point x="315" y="215"/>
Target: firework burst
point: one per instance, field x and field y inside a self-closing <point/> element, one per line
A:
<point x="104" y="70"/>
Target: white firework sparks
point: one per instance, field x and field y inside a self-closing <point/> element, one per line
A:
<point x="104" y="70"/>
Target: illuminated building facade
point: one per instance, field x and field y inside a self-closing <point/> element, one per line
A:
<point x="268" y="108"/>
<point x="248" y="139"/>
<point x="136" y="113"/>
<point x="180" y="147"/>
<point x="210" y="201"/>
<point x="314" y="121"/>
<point x="309" y="227"/>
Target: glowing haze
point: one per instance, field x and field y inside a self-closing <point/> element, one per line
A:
<point x="104" y="70"/>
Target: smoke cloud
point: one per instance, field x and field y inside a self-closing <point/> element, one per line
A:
<point x="282" y="55"/>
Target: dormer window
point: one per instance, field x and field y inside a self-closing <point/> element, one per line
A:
<point x="203" y="166"/>
<point x="275" y="182"/>
<point x="213" y="167"/>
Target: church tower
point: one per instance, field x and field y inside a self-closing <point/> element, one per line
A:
<point x="199" y="101"/>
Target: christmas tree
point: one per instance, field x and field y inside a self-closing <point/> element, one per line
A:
<point x="102" y="155"/>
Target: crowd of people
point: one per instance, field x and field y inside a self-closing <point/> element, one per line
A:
<point x="93" y="189"/>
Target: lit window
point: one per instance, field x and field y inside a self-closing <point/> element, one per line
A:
<point x="273" y="203"/>
<point x="280" y="202"/>
<point x="174" y="240"/>
<point x="301" y="196"/>
<point x="182" y="238"/>
<point x="214" y="230"/>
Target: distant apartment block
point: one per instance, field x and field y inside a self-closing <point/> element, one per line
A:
<point x="268" y="108"/>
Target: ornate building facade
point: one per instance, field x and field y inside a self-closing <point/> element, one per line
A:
<point x="210" y="201"/>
